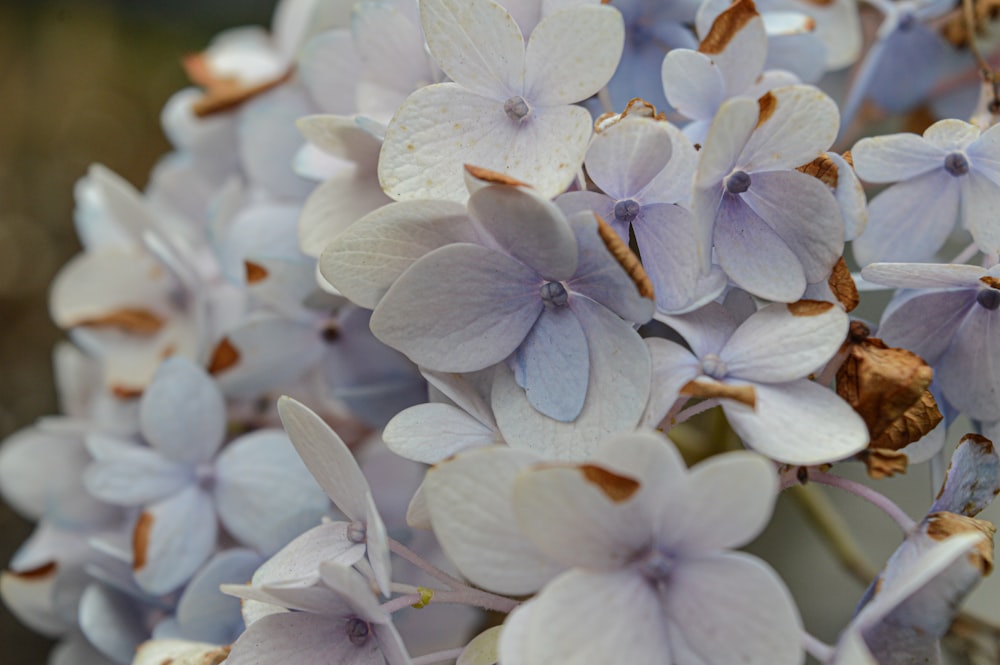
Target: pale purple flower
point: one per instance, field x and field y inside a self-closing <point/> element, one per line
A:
<point x="510" y="106"/>
<point x="951" y="172"/>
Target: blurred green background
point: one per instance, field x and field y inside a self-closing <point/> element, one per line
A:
<point x="80" y="82"/>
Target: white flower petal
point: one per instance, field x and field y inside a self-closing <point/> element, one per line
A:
<point x="797" y="123"/>
<point x="894" y="157"/>
<point x="693" y="83"/>
<point x="429" y="433"/>
<point x="183" y="414"/>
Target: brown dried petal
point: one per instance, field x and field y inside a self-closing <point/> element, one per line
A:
<point x="224" y="356"/>
<point x="222" y="94"/>
<point x="132" y="320"/>
<point x="707" y="389"/>
<point x="140" y="540"/>
<point x="636" y="108"/>
<point x="493" y="177"/>
<point x="625" y="257"/>
<point x="726" y="25"/>
<point x="822" y="168"/>
<point x="992" y="282"/>
<point x="809" y="307"/>
<point x="255" y="272"/>
<point x="615" y="487"/>
<point x="842" y="285"/>
<point x="41" y="572"/>
<point x="882" y="463"/>
<point x="912" y="426"/>
<point x="943" y="525"/>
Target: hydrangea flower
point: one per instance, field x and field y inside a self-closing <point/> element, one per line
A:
<point x="510" y="106"/>
<point x="950" y="172"/>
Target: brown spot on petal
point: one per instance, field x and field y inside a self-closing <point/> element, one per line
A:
<point x="820" y="3"/>
<point x="125" y="392"/>
<point x="883" y="463"/>
<point x="992" y="282"/>
<point x="842" y="285"/>
<point x="848" y="157"/>
<point x="726" y="25"/>
<point x="222" y="94"/>
<point x="216" y="656"/>
<point x="636" y="108"/>
<point x="625" y="258"/>
<point x="255" y="272"/>
<point x="823" y="169"/>
<point x="707" y="389"/>
<point x="224" y="356"/>
<point x="943" y="525"/>
<point x="140" y="540"/>
<point x="133" y="320"/>
<point x="615" y="487"/>
<point x="809" y="307"/>
<point x="493" y="177"/>
<point x="44" y="571"/>
<point x="766" y="105"/>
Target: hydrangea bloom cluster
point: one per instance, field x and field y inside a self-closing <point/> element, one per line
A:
<point x="417" y="318"/>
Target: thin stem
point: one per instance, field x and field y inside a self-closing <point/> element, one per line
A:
<point x="833" y="529"/>
<point x="966" y="254"/>
<point x="438" y="656"/>
<point x="816" y="648"/>
<point x="692" y="411"/>
<point x="396" y="587"/>
<point x="424" y="565"/>
<point x="668" y="420"/>
<point x="466" y="596"/>
<point x="877" y="499"/>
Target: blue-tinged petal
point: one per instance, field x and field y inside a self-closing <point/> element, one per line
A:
<point x="460" y="308"/>
<point x="77" y="650"/>
<point x="624" y="158"/>
<point x="429" y="433"/>
<point x="129" y="474"/>
<point x="268" y="141"/>
<point x="264" y="494"/>
<point x="705" y="330"/>
<point x="799" y="422"/>
<point x="796" y="124"/>
<point x="673" y="367"/>
<point x="895" y="157"/>
<point x="973" y="478"/>
<point x="377" y="544"/>
<point x="269" y="351"/>
<point x="673" y="183"/>
<point x="326" y="456"/>
<point x="183" y="413"/>
<point x="477" y="44"/>
<point x="113" y="622"/>
<point x="924" y="275"/>
<point x="172" y="539"/>
<point x="969" y="371"/>
<point x="729" y="132"/>
<point x="553" y="364"/>
<point x="738" y="46"/>
<point x="984" y="153"/>
<point x="926" y="323"/>
<point x="573" y="202"/>
<point x="365" y="260"/>
<point x="754" y="256"/>
<point x="619" y="388"/>
<point x="601" y="278"/>
<point x="729" y="589"/>
<point x="528" y="227"/>
<point x="572" y="54"/>
<point x="784" y="343"/>
<point x="301" y="638"/>
<point x="909" y="65"/>
<point x="980" y="202"/>
<point x="204" y="613"/>
<point x="801" y="53"/>
<point x="668" y="244"/>
<point x="693" y="83"/>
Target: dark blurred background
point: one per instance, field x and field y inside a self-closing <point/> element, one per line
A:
<point x="80" y="82"/>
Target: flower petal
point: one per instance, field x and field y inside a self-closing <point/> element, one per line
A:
<point x="128" y="474"/>
<point x="553" y="364"/>
<point x="172" y="539"/>
<point x="796" y="124"/>
<point x="183" y="413"/>
<point x="969" y="371"/>
<point x="895" y="157"/>
<point x="693" y="83"/>
<point x="624" y="158"/>
<point x="429" y="433"/>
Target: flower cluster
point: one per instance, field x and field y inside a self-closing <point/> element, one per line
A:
<point x="525" y="243"/>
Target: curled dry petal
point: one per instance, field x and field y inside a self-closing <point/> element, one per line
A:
<point x="943" y="525"/>
<point x="626" y="258"/>
<point x="223" y="93"/>
<point x="842" y="285"/>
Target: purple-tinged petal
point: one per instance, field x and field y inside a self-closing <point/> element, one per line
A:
<point x="183" y="413"/>
<point x="390" y="44"/>
<point x="693" y="83"/>
<point x="972" y="480"/>
<point x="910" y="220"/>
<point x="528" y="227"/>
<point x="204" y="613"/>
<point x="460" y="308"/>
<point x="797" y="123"/>
<point x="299" y="560"/>
<point x="264" y="493"/>
<point x="606" y="617"/>
<point x="969" y="371"/>
<point x="268" y="140"/>
<point x="470" y="502"/>
<point x="804" y="214"/>
<point x="908" y="68"/>
<point x="754" y="256"/>
<point x="573" y="202"/>
<point x="785" y="342"/>
<point x="673" y="183"/>
<point x="327" y="457"/>
<point x="625" y="158"/>
<point x="348" y="584"/>
<point x="926" y="323"/>
<point x="429" y="433"/>
<point x="705" y="330"/>
<point x="895" y="157"/>
<point x="923" y="275"/>
<point x="980" y="202"/>
<point x="377" y="544"/>
<point x="713" y="612"/>
<point x="673" y="367"/>
<point x="365" y="260"/>
<point x="300" y="638"/>
<point x="129" y="474"/>
<point x="329" y="65"/>
<point x="799" y="422"/>
<point x="730" y="130"/>
<point x="553" y="364"/>
<point x="572" y="54"/>
<point x="172" y="539"/>
<point x="111" y="622"/>
<point x="336" y="205"/>
<point x="477" y="44"/>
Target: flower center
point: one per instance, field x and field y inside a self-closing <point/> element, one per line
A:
<point x="554" y="294"/>
<point x="956" y="164"/>
<point x="357" y="631"/>
<point x="516" y="108"/>
<point x="204" y="475"/>
<point x="737" y="182"/>
<point x="713" y="366"/>
<point x="655" y="566"/>
<point x="988" y="298"/>
<point x="356" y="533"/>
<point x="906" y="21"/>
<point x="627" y="210"/>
